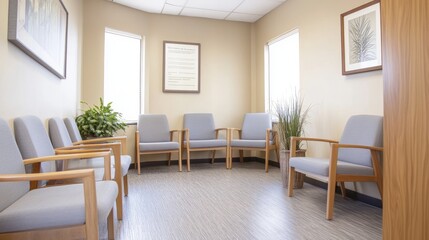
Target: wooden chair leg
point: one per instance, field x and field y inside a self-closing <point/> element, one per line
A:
<point x="241" y="156"/>
<point x="125" y="180"/>
<point x="343" y="189"/>
<point x="267" y="159"/>
<point x="169" y="159"/>
<point x="110" y="226"/>
<point x="213" y="156"/>
<point x="119" y="204"/>
<point x="188" y="160"/>
<point x="330" y="198"/>
<point x="230" y="158"/>
<point x="180" y="159"/>
<point x="291" y="181"/>
<point x="138" y="163"/>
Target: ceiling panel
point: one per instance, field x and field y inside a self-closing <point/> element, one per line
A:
<point x="232" y="10"/>
<point x="192" y="12"/>
<point x="258" y="6"/>
<point x="242" y="17"/>
<point x="153" y="6"/>
<point x="226" y="5"/>
<point x="171" y="9"/>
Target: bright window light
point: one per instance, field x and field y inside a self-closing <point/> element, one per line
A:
<point x="122" y="73"/>
<point x="282" y="69"/>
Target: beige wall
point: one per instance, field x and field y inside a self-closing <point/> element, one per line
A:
<point x="225" y="62"/>
<point x="26" y="87"/>
<point x="333" y="97"/>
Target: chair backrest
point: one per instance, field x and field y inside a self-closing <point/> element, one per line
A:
<point x="153" y="128"/>
<point x="72" y="129"/>
<point x="255" y="126"/>
<point x="58" y="133"/>
<point x="11" y="163"/>
<point x="361" y="130"/>
<point x="201" y="125"/>
<point x="33" y="140"/>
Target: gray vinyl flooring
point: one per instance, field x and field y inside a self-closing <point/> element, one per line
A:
<point x="211" y="202"/>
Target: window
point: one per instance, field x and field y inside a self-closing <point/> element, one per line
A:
<point x="281" y="69"/>
<point x="122" y="73"/>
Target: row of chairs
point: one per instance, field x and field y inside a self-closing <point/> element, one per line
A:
<point x="66" y="208"/>
<point x="153" y="136"/>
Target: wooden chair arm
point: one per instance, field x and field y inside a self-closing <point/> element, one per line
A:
<point x="65" y="156"/>
<point x="121" y="139"/>
<point x="293" y="141"/>
<point x="106" y="155"/>
<point x="313" y="139"/>
<point x="81" y="173"/>
<point x="232" y="130"/>
<point x="217" y="130"/>
<point x="70" y="151"/>
<point x="378" y="149"/>
<point x="179" y="135"/>
<point x="101" y="140"/>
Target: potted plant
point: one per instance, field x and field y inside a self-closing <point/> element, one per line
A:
<point x="99" y="121"/>
<point x="292" y="117"/>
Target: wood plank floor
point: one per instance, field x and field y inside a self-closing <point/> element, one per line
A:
<point x="243" y="203"/>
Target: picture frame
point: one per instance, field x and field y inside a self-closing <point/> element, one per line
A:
<point x="181" y="67"/>
<point x="39" y="29"/>
<point x="361" y="39"/>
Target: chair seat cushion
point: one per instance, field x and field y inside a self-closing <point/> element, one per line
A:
<point x="56" y="207"/>
<point x="158" y="146"/>
<point x="212" y="143"/>
<point x="249" y="143"/>
<point x="320" y="166"/>
<point x="98" y="165"/>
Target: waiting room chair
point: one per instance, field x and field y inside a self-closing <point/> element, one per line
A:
<point x="153" y="136"/>
<point x="256" y="134"/>
<point x="61" y="140"/>
<point x="60" y="212"/>
<point x="355" y="158"/>
<point x="33" y="141"/>
<point x="200" y="134"/>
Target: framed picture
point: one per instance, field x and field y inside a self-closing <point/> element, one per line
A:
<point x="361" y="39"/>
<point x="39" y="28"/>
<point x="181" y="67"/>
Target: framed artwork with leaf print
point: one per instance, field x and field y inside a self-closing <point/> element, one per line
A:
<point x="361" y="39"/>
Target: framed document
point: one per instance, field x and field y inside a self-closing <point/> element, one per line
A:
<point x="181" y="67"/>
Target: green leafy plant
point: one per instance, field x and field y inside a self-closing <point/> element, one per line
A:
<point x="99" y="121"/>
<point x="292" y="117"/>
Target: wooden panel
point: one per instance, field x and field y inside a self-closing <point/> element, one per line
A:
<point x="406" y="109"/>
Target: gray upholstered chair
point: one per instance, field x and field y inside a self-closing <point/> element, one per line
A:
<point x="61" y="212"/>
<point x="153" y="136"/>
<point x="200" y="134"/>
<point x="60" y="139"/>
<point x="33" y="141"/>
<point x="355" y="158"/>
<point x="256" y="134"/>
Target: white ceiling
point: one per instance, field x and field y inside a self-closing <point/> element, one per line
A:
<point x="233" y="10"/>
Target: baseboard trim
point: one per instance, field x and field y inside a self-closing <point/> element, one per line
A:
<point x="349" y="193"/>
